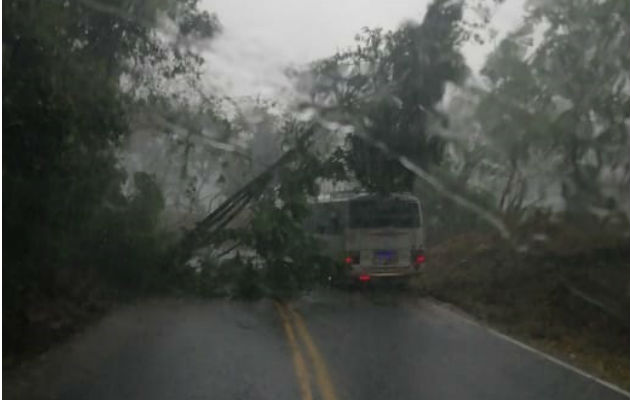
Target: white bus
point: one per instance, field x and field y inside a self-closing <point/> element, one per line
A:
<point x="373" y="235"/>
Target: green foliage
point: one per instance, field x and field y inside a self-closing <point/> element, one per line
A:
<point x="248" y="284"/>
<point x="69" y="229"/>
<point x="126" y="242"/>
<point x="235" y="277"/>
<point x="564" y="104"/>
<point x="290" y="258"/>
<point x="387" y="89"/>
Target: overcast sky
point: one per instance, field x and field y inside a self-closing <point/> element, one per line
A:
<point x="260" y="38"/>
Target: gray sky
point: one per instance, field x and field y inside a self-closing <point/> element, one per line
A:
<point x="260" y="38"/>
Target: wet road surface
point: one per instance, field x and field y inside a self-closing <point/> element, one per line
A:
<point x="329" y="346"/>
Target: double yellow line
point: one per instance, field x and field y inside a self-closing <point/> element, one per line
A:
<point x="326" y="388"/>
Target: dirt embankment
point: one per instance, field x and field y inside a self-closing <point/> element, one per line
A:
<point x="573" y="302"/>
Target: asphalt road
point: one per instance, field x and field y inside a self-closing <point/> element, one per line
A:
<point x="329" y="346"/>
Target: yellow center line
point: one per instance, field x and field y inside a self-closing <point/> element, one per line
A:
<point x="321" y="372"/>
<point x="298" y="360"/>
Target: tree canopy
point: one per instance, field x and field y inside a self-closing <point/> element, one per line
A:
<point x="73" y="72"/>
<point x="387" y="89"/>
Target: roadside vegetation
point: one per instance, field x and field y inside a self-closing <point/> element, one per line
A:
<point x="573" y="304"/>
<point x="80" y="230"/>
<point x="125" y="175"/>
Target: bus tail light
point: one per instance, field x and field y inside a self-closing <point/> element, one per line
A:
<point x="417" y="257"/>
<point x="352" y="258"/>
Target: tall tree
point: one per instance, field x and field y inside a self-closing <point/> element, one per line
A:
<point x="387" y="89"/>
<point x="72" y="72"/>
<point x="564" y="102"/>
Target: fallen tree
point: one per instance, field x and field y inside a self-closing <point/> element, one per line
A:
<point x="207" y="229"/>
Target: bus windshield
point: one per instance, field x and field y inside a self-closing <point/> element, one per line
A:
<point x="386" y="213"/>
